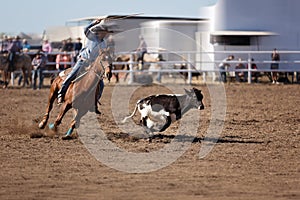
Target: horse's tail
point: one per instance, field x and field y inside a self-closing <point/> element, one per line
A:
<point x="130" y="116"/>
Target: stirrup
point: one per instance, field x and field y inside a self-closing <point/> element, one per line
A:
<point x="60" y="100"/>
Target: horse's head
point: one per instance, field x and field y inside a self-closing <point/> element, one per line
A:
<point x="103" y="63"/>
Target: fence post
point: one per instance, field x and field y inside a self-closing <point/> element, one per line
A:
<point x="204" y="76"/>
<point x="249" y="68"/>
<point x="131" y="77"/>
<point x="189" y="69"/>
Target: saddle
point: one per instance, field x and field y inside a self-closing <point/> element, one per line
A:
<point x="63" y="74"/>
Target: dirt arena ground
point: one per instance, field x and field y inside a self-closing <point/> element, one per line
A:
<point x="256" y="157"/>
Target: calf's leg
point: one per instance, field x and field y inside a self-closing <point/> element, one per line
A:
<point x="167" y="124"/>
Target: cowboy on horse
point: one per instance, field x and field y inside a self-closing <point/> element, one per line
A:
<point x="12" y="59"/>
<point x="15" y="46"/>
<point x="95" y="33"/>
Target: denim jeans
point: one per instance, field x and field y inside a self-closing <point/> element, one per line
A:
<point x="223" y="76"/>
<point x="71" y="76"/>
<point x="37" y="74"/>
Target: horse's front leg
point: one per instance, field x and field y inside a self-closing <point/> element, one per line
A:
<point x="52" y="98"/>
<point x="75" y="122"/>
<point x="63" y="110"/>
<point x="44" y="121"/>
<point x="68" y="134"/>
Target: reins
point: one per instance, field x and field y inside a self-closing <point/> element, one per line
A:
<point x="99" y="76"/>
<point x="103" y="71"/>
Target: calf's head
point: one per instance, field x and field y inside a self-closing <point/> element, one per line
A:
<point x="195" y="98"/>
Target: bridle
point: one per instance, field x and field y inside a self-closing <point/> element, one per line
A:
<point x="100" y="76"/>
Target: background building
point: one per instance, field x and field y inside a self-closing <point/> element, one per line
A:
<point x="255" y="26"/>
<point x="229" y="25"/>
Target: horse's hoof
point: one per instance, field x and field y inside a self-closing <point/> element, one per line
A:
<point x="51" y="126"/>
<point x="42" y="125"/>
<point x="67" y="137"/>
<point x="5" y="85"/>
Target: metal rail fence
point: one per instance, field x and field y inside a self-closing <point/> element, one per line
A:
<point x="205" y="63"/>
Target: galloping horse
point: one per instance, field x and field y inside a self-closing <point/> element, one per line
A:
<point x="81" y="94"/>
<point x="21" y="62"/>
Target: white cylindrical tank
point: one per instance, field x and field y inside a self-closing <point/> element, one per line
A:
<point x="255" y="14"/>
<point x="277" y="16"/>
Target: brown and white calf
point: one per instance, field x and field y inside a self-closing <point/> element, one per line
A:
<point x="166" y="108"/>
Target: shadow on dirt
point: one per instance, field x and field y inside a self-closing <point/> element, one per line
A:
<point x="226" y="139"/>
<point x="162" y="138"/>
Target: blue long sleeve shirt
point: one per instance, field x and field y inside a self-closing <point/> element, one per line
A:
<point x="94" y="43"/>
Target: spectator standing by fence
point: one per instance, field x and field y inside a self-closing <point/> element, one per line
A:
<point x="26" y="46"/>
<point x="254" y="74"/>
<point x="141" y="50"/>
<point x="223" y="67"/>
<point x="63" y="46"/>
<point x="69" y="45"/>
<point x="63" y="61"/>
<point x="46" y="47"/>
<point x="64" y="56"/>
<point x="275" y="65"/>
<point x="240" y="74"/>
<point x="38" y="65"/>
